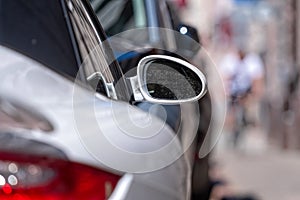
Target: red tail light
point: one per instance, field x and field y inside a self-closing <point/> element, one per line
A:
<point x="24" y="177"/>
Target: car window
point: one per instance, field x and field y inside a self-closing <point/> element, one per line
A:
<point x="45" y="39"/>
<point x="120" y="15"/>
<point x="166" y="22"/>
<point x="95" y="52"/>
<point x="173" y="15"/>
<point x="88" y="41"/>
<point x="44" y="31"/>
<point x="117" y="16"/>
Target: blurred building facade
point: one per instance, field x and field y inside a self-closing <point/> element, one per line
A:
<point x="272" y="29"/>
<point x="284" y="57"/>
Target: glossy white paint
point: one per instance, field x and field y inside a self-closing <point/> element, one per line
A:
<point x="32" y="84"/>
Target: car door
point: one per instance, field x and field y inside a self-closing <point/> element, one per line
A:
<point x="61" y="35"/>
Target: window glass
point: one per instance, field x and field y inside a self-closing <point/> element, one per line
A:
<point x="45" y="39"/>
<point x="117" y="16"/>
<point x="89" y="43"/>
<point x="99" y="63"/>
<point x="41" y="30"/>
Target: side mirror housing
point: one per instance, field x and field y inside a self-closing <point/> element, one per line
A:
<point x="167" y="80"/>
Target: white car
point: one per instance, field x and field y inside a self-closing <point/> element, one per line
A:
<point x="61" y="138"/>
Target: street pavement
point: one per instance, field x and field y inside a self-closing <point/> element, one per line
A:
<point x="257" y="168"/>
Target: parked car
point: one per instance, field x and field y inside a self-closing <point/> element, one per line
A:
<point x="133" y="23"/>
<point x="141" y="28"/>
<point x="50" y="146"/>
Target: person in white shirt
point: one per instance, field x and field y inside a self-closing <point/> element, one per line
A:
<point x="243" y="74"/>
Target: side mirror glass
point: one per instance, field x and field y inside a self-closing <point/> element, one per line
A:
<point x="168" y="80"/>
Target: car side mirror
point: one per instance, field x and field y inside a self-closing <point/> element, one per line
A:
<point x="167" y="80"/>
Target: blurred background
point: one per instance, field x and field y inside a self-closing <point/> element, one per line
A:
<point x="258" y="152"/>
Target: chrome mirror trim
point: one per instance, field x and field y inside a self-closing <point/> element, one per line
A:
<point x="141" y="80"/>
<point x="109" y="87"/>
<point x="137" y="95"/>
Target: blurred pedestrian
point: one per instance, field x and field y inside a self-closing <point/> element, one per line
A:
<point x="243" y="74"/>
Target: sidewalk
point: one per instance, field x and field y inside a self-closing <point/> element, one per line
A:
<point x="258" y="169"/>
